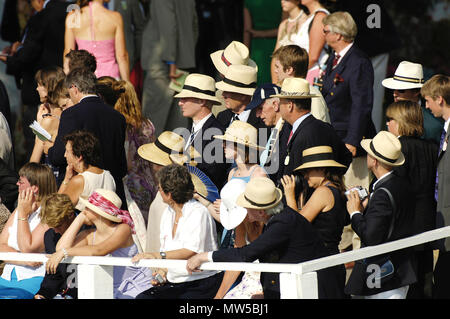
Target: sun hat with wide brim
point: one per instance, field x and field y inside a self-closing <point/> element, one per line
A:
<point x="295" y="88"/>
<point x="236" y="53"/>
<point x="407" y="76"/>
<point x="105" y="203"/>
<point x="241" y="133"/>
<point x="385" y="147"/>
<point x="319" y="156"/>
<point x="239" y="79"/>
<point x="167" y="149"/>
<point x="199" y="86"/>
<point x="231" y="214"/>
<point x="260" y="193"/>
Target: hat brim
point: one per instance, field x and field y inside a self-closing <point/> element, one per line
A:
<point x="231" y="218"/>
<point x="294" y="97"/>
<point x="186" y="94"/>
<point x="235" y="89"/>
<point x="241" y="201"/>
<point x="366" y="146"/>
<point x="152" y="153"/>
<point x="324" y="163"/>
<point x="98" y="211"/>
<point x="216" y="58"/>
<point x="393" y="84"/>
<point x="234" y="140"/>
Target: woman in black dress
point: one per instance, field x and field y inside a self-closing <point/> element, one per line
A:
<point x="405" y="120"/>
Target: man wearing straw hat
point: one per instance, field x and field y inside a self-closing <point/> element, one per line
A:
<point x="196" y="101"/>
<point x="406" y="84"/>
<point x="302" y="130"/>
<point x="287" y="237"/>
<point x="384" y="217"/>
<point x="238" y="86"/>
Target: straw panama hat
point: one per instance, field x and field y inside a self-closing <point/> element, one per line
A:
<point x="199" y="86"/>
<point x="260" y="193"/>
<point x="241" y="133"/>
<point x="239" y="79"/>
<point x="110" y="196"/>
<point x="167" y="149"/>
<point x="232" y="214"/>
<point x="319" y="156"/>
<point x="295" y="88"/>
<point x="385" y="147"/>
<point x="236" y="53"/>
<point x="407" y="76"/>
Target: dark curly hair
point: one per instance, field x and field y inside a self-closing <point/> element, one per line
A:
<point x="176" y="180"/>
<point x="85" y="144"/>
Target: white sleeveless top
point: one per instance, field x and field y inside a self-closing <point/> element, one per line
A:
<point x="93" y="181"/>
<point x="22" y="272"/>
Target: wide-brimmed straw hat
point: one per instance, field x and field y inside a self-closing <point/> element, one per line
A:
<point x="105" y="203"/>
<point x="295" y="88"/>
<point x="199" y="86"/>
<point x="407" y="76"/>
<point x="167" y="149"/>
<point x="319" y="156"/>
<point x="241" y="133"/>
<point x="231" y="214"/>
<point x="385" y="147"/>
<point x="260" y="193"/>
<point x="236" y="53"/>
<point x="239" y="79"/>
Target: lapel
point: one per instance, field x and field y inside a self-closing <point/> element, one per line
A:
<point x="380" y="184"/>
<point x="304" y="123"/>
<point x="444" y="146"/>
<point x="329" y="78"/>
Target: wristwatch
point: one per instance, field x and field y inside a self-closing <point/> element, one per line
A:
<point x="163" y="254"/>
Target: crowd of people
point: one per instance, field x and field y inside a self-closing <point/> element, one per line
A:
<point x="277" y="160"/>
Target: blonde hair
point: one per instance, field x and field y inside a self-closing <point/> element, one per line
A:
<point x="57" y="210"/>
<point x="41" y="176"/>
<point x="341" y="22"/>
<point x="409" y="117"/>
<point x="437" y="85"/>
<point x="128" y="103"/>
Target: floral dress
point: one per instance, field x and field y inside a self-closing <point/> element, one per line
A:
<point x="140" y="181"/>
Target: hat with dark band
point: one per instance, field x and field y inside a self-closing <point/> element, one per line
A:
<point x="385" y="147"/>
<point x="319" y="156"/>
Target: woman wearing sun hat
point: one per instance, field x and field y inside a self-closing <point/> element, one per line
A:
<point x="112" y="235"/>
<point x="325" y="209"/>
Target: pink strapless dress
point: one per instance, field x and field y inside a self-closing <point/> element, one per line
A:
<point x="104" y="52"/>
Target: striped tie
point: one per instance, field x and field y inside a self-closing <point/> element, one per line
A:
<point x="437" y="177"/>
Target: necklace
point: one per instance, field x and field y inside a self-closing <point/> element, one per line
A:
<point x="296" y="18"/>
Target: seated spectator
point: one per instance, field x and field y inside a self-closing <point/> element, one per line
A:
<point x="57" y="213"/>
<point x="405" y="120"/>
<point x="186" y="229"/>
<point x="112" y="234"/>
<point x="24" y="232"/>
<point x="83" y="172"/>
<point x="60" y="96"/>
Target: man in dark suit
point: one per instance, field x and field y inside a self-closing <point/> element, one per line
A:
<point x="386" y="216"/>
<point x="287" y="238"/>
<point x="436" y="92"/>
<point x="90" y="113"/>
<point x="305" y="130"/>
<point x="42" y="46"/>
<point x="196" y="101"/>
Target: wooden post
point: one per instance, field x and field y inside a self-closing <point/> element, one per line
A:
<point x="95" y="282"/>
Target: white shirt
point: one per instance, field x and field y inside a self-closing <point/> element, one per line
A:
<point x="344" y="52"/>
<point x="299" y="121"/>
<point x="446" y="124"/>
<point x="243" y="117"/>
<point x="196" y="127"/>
<point x="196" y="231"/>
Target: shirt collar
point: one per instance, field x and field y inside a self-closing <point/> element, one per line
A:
<point x="446" y="125"/>
<point x="299" y="121"/>
<point x="197" y="126"/>
<point x="244" y="115"/>
<point x="45" y="3"/>
<point x="86" y="96"/>
<point x="344" y="51"/>
<point x="382" y="177"/>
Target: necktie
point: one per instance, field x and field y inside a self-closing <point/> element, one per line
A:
<point x="289" y="139"/>
<point x="234" y="118"/>
<point x="441" y="143"/>
<point x="336" y="59"/>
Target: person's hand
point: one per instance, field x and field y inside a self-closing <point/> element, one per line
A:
<point x="3" y="58"/>
<point x="39" y="297"/>
<point x="84" y="219"/>
<point x="70" y="172"/>
<point x="352" y="149"/>
<point x="202" y="200"/>
<point x="354" y="203"/>
<point x="195" y="261"/>
<point x="216" y="205"/>
<point x="140" y="256"/>
<point x="288" y="182"/>
<point x="33" y="264"/>
<point x="14" y="47"/>
<point x="161" y="274"/>
<point x="25" y="203"/>
<point x="173" y="75"/>
<point x="53" y="261"/>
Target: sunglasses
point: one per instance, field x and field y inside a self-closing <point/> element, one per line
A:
<point x="388" y="119"/>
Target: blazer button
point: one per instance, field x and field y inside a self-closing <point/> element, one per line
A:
<point x="273" y="282"/>
<point x="331" y="93"/>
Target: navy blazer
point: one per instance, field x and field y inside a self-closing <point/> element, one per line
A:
<point x="108" y="125"/>
<point x="287" y="238"/>
<point x="207" y="145"/>
<point x="373" y="228"/>
<point x="348" y="91"/>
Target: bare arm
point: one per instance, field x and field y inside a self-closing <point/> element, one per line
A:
<point x="247" y="28"/>
<point x="72" y="186"/>
<point x="38" y="150"/>
<point x="69" y="36"/>
<point x="316" y="39"/>
<point x="121" y="50"/>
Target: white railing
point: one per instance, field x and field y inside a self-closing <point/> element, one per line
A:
<point x="297" y="281"/>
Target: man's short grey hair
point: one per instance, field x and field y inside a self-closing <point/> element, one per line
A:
<point x="275" y="210"/>
<point x="83" y="79"/>
<point x="341" y="22"/>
